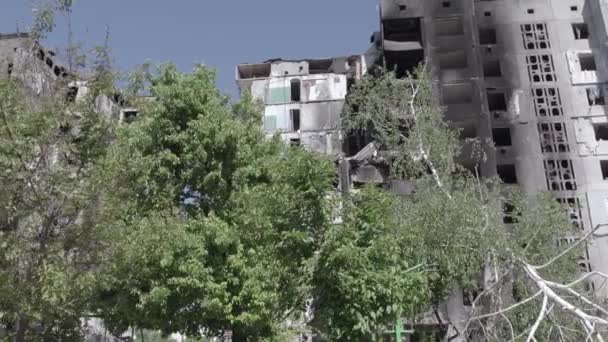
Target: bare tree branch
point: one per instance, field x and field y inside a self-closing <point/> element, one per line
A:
<point x="569" y="249"/>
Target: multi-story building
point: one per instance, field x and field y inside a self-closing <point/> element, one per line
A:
<point x="531" y="76"/>
<point x="304" y="99"/>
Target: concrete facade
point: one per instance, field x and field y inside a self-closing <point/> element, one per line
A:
<point x="531" y="76"/>
<point x="546" y="61"/>
<point x="303" y="99"/>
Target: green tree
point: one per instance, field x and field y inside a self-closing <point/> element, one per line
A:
<point x="48" y="246"/>
<point x="217" y="224"/>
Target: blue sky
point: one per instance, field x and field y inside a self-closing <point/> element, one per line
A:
<point x="219" y="33"/>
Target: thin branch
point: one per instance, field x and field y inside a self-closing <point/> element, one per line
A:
<point x="507" y="309"/>
<point x="585" y="277"/>
<point x="541" y="316"/>
<point x="569" y="249"/>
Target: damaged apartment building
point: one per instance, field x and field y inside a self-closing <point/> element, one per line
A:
<point x="41" y="72"/>
<point x="304" y="100"/>
<point x="531" y="76"/>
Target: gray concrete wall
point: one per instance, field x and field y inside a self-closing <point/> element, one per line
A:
<point x="554" y="145"/>
<point x="322" y="97"/>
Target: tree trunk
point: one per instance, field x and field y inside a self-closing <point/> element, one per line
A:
<point x="20" y="330"/>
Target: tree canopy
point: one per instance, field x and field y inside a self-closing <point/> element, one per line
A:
<point x="216" y="224"/>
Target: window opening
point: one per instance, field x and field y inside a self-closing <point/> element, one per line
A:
<point x="129" y="115"/>
<point x="580" y="30"/>
<point x="587" y="62"/>
<point x="502" y="137"/>
<point x="507" y="173"/>
<point x="295" y="90"/>
<point x="497" y="102"/>
<point x="295" y="119"/>
<point x="487" y="36"/>
<point x="595" y="96"/>
<point x="604" y="167"/>
<point x="601" y="131"/>
<point x="491" y="68"/>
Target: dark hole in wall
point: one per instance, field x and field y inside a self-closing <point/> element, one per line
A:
<point x="254" y="71"/>
<point x="403" y="30"/>
<point x="468" y="132"/>
<point x="11" y="66"/>
<point x="502" y="136"/>
<point x="295" y="119"/>
<point x="356" y="140"/>
<point x="295" y="142"/>
<point x="595" y="96"/>
<point x="587" y="62"/>
<point x="507" y="173"/>
<point x="295" y="90"/>
<point x="510" y="215"/>
<point x="319" y="66"/>
<point x="604" y="167"/>
<point x="403" y="62"/>
<point x="130" y="115"/>
<point x="71" y="94"/>
<point x="580" y="30"/>
<point x="497" y="102"/>
<point x="491" y="68"/>
<point x="601" y="131"/>
<point x="487" y="36"/>
<point x="118" y="99"/>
